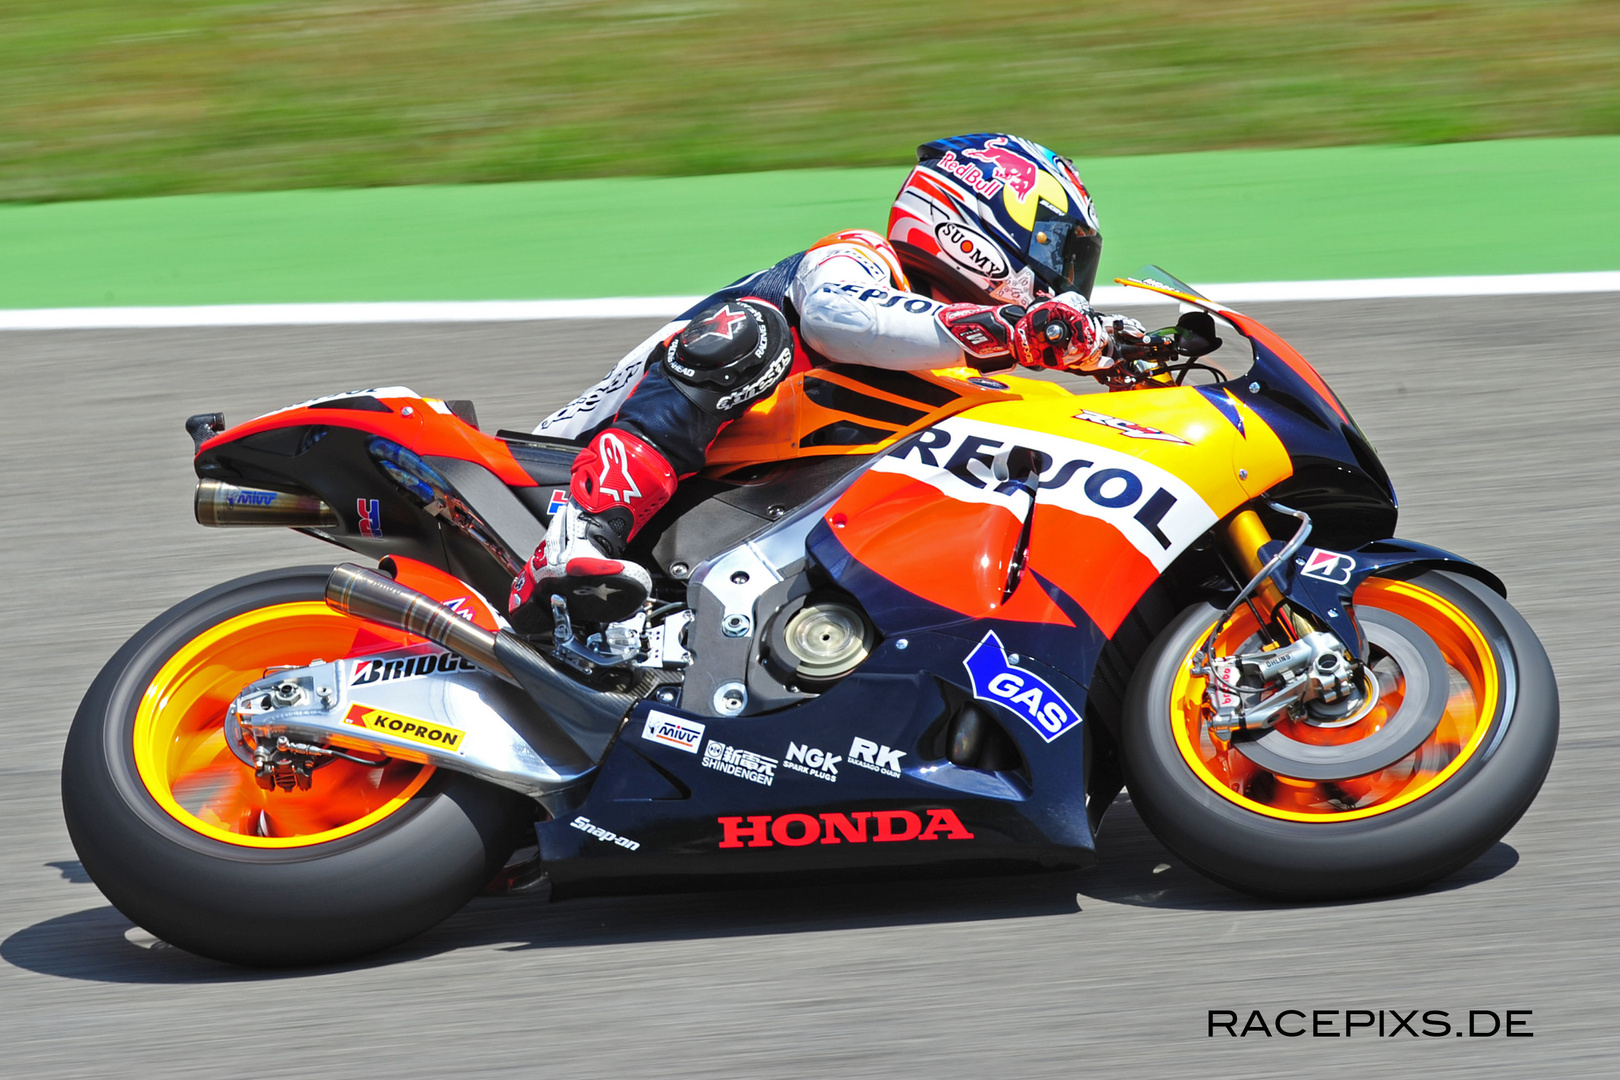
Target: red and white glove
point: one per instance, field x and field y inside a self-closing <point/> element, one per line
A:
<point x="1052" y="334"/>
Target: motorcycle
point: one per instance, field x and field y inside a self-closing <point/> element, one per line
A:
<point x="903" y="622"/>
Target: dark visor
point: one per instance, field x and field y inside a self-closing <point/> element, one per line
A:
<point x="1064" y="255"/>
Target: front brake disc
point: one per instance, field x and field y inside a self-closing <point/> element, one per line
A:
<point x="1428" y="687"/>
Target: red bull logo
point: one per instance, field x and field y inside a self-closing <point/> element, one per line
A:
<point x="971" y="175"/>
<point x="1010" y="167"/>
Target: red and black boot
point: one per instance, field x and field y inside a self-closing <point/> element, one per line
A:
<point x="619" y="482"/>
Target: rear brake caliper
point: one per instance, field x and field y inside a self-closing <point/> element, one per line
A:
<point x="284" y="763"/>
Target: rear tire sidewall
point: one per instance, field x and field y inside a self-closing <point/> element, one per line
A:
<point x="1400" y="849"/>
<point x="266" y="906"/>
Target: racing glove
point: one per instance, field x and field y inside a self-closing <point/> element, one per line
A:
<point x="1051" y="334"/>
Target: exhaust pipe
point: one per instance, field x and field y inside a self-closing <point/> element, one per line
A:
<point x="221" y="505"/>
<point x="589" y="715"/>
<point x="367" y="594"/>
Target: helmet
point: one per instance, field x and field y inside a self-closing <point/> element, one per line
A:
<point x="995" y="219"/>
<point x="732" y="352"/>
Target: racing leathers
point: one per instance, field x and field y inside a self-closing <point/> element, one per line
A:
<point x="650" y="422"/>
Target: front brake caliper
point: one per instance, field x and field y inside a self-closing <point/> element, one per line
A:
<point x="1253" y="691"/>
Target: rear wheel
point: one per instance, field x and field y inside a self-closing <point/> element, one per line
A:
<point x="1435" y="770"/>
<point x="178" y="834"/>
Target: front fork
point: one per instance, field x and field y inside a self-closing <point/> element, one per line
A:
<point x="1311" y="669"/>
<point x="1246" y="536"/>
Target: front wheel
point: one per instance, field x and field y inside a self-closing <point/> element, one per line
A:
<point x="178" y="834"/>
<point x="1460" y="677"/>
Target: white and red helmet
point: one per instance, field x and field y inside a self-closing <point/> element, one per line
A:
<point x="995" y="219"/>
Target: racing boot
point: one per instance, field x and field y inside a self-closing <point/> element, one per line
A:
<point x="618" y="483"/>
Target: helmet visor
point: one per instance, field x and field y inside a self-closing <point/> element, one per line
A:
<point x="1064" y="254"/>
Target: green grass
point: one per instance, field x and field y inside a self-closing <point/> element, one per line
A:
<point x="1508" y="206"/>
<point x="108" y="98"/>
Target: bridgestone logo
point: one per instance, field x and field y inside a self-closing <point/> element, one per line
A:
<point x="382" y="669"/>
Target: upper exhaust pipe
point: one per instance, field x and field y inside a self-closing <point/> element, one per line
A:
<point x="222" y="505"/>
<point x="590" y="716"/>
<point x="367" y="594"/>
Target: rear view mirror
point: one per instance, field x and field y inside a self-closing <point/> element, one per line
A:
<point x="1195" y="334"/>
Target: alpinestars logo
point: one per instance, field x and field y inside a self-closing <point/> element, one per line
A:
<point x="724" y="323"/>
<point x="773" y="372"/>
<point x="616" y="457"/>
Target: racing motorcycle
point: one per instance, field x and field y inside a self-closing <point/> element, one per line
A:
<point x="903" y="622"/>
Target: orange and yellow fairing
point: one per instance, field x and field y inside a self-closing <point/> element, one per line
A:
<point x="1127" y="482"/>
<point x="842" y="409"/>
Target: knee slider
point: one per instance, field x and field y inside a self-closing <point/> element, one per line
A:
<point x="731" y="354"/>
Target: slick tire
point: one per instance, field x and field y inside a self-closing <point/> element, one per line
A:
<point x="1403" y="848"/>
<point x="317" y="903"/>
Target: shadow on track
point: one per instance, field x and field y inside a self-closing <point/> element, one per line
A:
<point x="100" y="945"/>
<point x="1135" y="869"/>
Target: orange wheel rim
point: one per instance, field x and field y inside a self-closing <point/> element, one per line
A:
<point x="1470" y="708"/>
<point x="179" y="735"/>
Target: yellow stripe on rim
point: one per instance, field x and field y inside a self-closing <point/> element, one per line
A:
<point x="186" y="680"/>
<point x="1486" y="696"/>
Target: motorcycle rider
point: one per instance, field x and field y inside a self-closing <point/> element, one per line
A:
<point x="991" y="253"/>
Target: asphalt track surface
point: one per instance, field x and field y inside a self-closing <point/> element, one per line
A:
<point x="1496" y="420"/>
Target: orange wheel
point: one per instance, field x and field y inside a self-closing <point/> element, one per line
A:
<point x="179" y="737"/>
<point x="177" y="832"/>
<point x="1463" y="701"/>
<point x="1451" y="743"/>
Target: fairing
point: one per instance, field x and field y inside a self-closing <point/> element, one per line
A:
<point x="1122" y="486"/>
<point x="1337" y="477"/>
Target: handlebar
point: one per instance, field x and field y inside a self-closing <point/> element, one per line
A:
<point x="1148" y="357"/>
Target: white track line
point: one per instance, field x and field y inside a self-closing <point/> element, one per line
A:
<point x="650" y="307"/>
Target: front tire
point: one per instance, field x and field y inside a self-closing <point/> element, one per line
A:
<point x="1414" y="822"/>
<point x="178" y="835"/>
